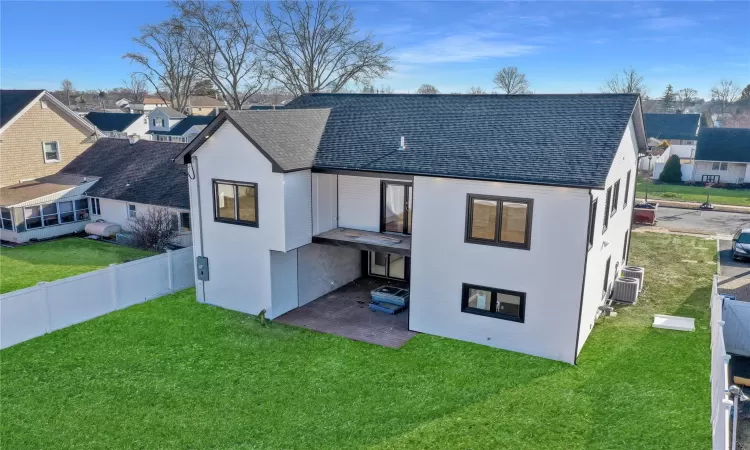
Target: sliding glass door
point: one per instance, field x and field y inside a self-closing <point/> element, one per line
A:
<point x="388" y="265"/>
<point x="396" y="207"/>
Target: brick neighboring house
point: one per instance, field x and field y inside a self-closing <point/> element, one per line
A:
<point x="38" y="136"/>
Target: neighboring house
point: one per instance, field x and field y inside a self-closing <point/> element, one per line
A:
<point x="38" y="136"/>
<point x="679" y="130"/>
<point x="722" y="156"/>
<point x="163" y="118"/>
<point x="201" y="105"/>
<point x="262" y="107"/>
<point x="133" y="178"/>
<point x="184" y="131"/>
<point x="509" y="233"/>
<point x="119" y="125"/>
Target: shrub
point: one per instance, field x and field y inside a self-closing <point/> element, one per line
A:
<point x="672" y="172"/>
<point x="154" y="230"/>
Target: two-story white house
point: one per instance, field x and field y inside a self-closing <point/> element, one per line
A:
<point x="507" y="217"/>
<point x="163" y="118"/>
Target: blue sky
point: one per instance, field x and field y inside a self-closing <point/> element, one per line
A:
<point x="561" y="46"/>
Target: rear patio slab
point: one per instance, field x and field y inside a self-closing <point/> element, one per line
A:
<point x="345" y="312"/>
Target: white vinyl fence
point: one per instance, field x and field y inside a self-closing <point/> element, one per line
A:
<point x="46" y="307"/>
<point x="720" y="403"/>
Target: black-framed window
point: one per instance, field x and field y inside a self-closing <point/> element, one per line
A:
<point x="605" y="288"/>
<point x="607" y="204"/>
<point x="627" y="189"/>
<point x="592" y="221"/>
<point x="395" y="207"/>
<point x="236" y="202"/>
<point x="502" y="221"/>
<point x="95" y="207"/>
<point x="493" y="302"/>
<point x="615" y="197"/>
<point x="710" y="178"/>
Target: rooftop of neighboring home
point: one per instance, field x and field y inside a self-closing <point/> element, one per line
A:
<point x="672" y="126"/>
<point x="40" y="187"/>
<point x="171" y="113"/>
<point x="205" y="102"/>
<point x="186" y="124"/>
<point x="112" y="121"/>
<point x="151" y="100"/>
<point x="561" y="140"/>
<point x="13" y="101"/>
<point x="142" y="172"/>
<point x="723" y="144"/>
<point x="264" y="107"/>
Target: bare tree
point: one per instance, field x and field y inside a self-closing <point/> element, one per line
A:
<point x="275" y="94"/>
<point x="686" y="97"/>
<point x="136" y="88"/>
<point x="170" y="64"/>
<point x="153" y="230"/>
<point x="385" y="90"/>
<point x="725" y="93"/>
<point x="224" y="42"/>
<point x="67" y="87"/>
<point x="476" y="90"/>
<point x="510" y="81"/>
<point x="312" y="46"/>
<point x="427" y="89"/>
<point x="629" y="82"/>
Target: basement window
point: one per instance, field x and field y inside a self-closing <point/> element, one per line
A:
<point x="236" y="202"/>
<point x="500" y="221"/>
<point x="492" y="302"/>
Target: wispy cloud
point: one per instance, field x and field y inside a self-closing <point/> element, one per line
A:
<point x="465" y="47"/>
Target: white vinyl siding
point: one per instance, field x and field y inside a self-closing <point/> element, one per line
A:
<point x="734" y="173"/>
<point x="359" y="203"/>
<point x="325" y="202"/>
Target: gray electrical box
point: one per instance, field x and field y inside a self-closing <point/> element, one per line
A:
<point x="201" y="267"/>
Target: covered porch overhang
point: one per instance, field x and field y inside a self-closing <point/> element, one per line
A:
<point x="366" y="240"/>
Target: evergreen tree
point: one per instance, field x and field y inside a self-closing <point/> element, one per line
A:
<point x="672" y="172"/>
<point x="669" y="96"/>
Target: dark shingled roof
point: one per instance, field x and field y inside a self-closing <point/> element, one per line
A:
<point x="105" y="121"/>
<point x="184" y="125"/>
<point x="672" y="126"/>
<point x="567" y="140"/>
<point x="12" y="101"/>
<point x="723" y="144"/>
<point x="142" y="172"/>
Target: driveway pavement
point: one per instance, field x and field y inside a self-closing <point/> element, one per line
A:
<point x="715" y="223"/>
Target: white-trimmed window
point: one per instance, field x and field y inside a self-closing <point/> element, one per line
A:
<point x="49" y="212"/>
<point x="67" y="214"/>
<point x="719" y="165"/>
<point x="51" y="151"/>
<point x="33" y="217"/>
<point x="6" y="219"/>
<point x="95" y="208"/>
<point x="82" y="209"/>
<point x="185" y="221"/>
<point x="131" y="211"/>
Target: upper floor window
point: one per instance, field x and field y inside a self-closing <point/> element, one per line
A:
<point x="607" y="204"/>
<point x="396" y="207"/>
<point x="615" y="197"/>
<point x="627" y="189"/>
<point x="502" y="221"/>
<point x="719" y="166"/>
<point x="592" y="222"/>
<point x="51" y="152"/>
<point x="492" y="302"/>
<point x="236" y="202"/>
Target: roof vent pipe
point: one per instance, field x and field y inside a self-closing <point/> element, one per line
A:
<point x="403" y="143"/>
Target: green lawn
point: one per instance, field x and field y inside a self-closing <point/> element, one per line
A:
<point x="173" y="373"/>
<point x="682" y="193"/>
<point x="27" y="265"/>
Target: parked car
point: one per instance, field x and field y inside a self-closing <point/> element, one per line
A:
<point x="741" y="244"/>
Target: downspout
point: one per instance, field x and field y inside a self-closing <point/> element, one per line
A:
<point x="194" y="162"/>
<point x="583" y="279"/>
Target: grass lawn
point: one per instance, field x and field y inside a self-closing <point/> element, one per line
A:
<point x="173" y="373"/>
<point x="27" y="265"/>
<point x="680" y="193"/>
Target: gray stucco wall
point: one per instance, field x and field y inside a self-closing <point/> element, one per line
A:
<point x="324" y="268"/>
